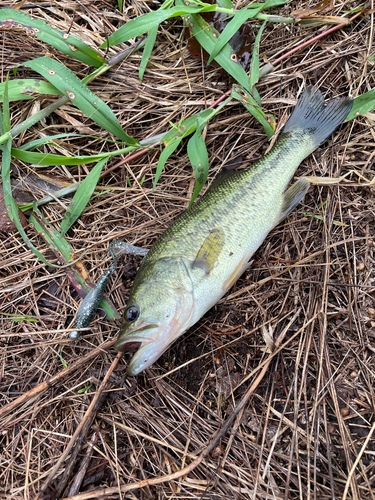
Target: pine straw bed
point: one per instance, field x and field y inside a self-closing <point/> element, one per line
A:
<point x="307" y="429"/>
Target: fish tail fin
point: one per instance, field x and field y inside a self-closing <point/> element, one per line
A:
<point x="315" y="118"/>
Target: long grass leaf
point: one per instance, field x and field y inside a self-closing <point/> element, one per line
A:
<point x="231" y="28"/>
<point x="142" y="24"/>
<point x="198" y="157"/>
<point x="29" y="146"/>
<point x="362" y="104"/>
<point x="6" y="112"/>
<point x="19" y="90"/>
<point x="45" y="159"/>
<point x="227" y="4"/>
<point x="10" y="203"/>
<point x="82" y="196"/>
<point x="254" y="75"/>
<point x="266" y="120"/>
<point x="65" y="43"/>
<point x="78" y="93"/>
<point x="165" y="154"/>
<point x="203" y="32"/>
<point x="187" y="126"/>
<point x="150" y="42"/>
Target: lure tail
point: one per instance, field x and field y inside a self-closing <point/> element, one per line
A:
<point x="315" y="118"/>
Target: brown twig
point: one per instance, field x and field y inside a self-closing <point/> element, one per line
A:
<point x="79" y="429"/>
<point x="36" y="391"/>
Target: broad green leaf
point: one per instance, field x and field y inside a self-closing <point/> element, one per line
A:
<point x="150" y="42"/>
<point x="82" y="196"/>
<point x="254" y="75"/>
<point x="140" y="25"/>
<point x="19" y="89"/>
<point x="203" y="32"/>
<point x="198" y="157"/>
<point x="267" y="120"/>
<point x="231" y="28"/>
<point x="67" y="44"/>
<point x="362" y="104"/>
<point x="44" y="159"/>
<point x="78" y="93"/>
<point x="165" y="154"/>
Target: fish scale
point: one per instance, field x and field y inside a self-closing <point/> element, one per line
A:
<point x="207" y="248"/>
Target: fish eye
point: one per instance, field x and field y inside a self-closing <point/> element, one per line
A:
<point x="132" y="313"/>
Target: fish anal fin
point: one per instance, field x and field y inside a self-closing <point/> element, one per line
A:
<point x="240" y="269"/>
<point x="292" y="197"/>
<point x="210" y="250"/>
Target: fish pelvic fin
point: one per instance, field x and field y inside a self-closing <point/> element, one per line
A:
<point x="316" y="118"/>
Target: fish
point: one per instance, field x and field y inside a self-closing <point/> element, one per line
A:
<point x="208" y="247"/>
<point x="90" y="303"/>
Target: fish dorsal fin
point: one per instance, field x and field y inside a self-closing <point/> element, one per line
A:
<point x="224" y="174"/>
<point x="210" y="250"/>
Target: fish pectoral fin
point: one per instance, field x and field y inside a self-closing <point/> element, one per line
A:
<point x="292" y="197"/>
<point x="210" y="250"/>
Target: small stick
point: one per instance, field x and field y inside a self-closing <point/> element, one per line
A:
<point x="267" y="68"/>
<point x="77" y="448"/>
<point x="84" y="465"/>
<point x="35" y="391"/>
<point x="78" y="431"/>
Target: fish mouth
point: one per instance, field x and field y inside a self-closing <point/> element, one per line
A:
<point x="132" y="341"/>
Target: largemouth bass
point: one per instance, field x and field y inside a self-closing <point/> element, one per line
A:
<point x="203" y="253"/>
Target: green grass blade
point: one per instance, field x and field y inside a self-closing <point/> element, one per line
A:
<point x="67" y="44"/>
<point x="6" y="113"/>
<point x="142" y="24"/>
<point x="362" y="104"/>
<point x="18" y="90"/>
<point x="254" y="75"/>
<point x="82" y="196"/>
<point x="165" y="154"/>
<point x="266" y="120"/>
<point x="198" y="157"/>
<point x="10" y="203"/>
<point x="271" y="3"/>
<point x="150" y="42"/>
<point x="45" y="159"/>
<point x="231" y="28"/>
<point x="203" y="32"/>
<point x="78" y="93"/>
<point x="28" y="146"/>
<point x="227" y="4"/>
<point x="187" y="126"/>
